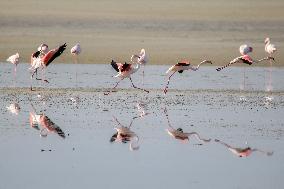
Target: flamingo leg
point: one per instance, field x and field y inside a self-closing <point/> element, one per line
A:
<point x="143" y="74"/>
<point x="107" y="93"/>
<point x="167" y="86"/>
<point x="137" y="87"/>
<point x="15" y="74"/>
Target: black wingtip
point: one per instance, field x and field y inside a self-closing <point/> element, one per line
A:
<point x="218" y="69"/>
<point x="114" y="65"/>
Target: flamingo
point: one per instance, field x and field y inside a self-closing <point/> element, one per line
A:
<point x="244" y="58"/>
<point x="141" y="59"/>
<point x="46" y="58"/>
<point x="124" y="71"/>
<point x="14" y="108"/>
<point x="46" y="124"/>
<point x="242" y="152"/>
<point x="14" y="59"/>
<point x="269" y="49"/>
<point x="124" y="134"/>
<point x="180" y="67"/>
<point x="75" y="51"/>
<point x="179" y="134"/>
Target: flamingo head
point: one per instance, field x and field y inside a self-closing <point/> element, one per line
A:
<point x="267" y="40"/>
<point x="43" y="48"/>
<point x="180" y="130"/>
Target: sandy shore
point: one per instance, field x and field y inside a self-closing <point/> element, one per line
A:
<point x="167" y="30"/>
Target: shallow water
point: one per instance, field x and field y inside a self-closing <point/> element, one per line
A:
<point x="210" y="104"/>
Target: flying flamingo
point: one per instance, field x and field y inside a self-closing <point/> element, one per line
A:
<point x="14" y="59"/>
<point x="269" y="49"/>
<point x="45" y="60"/>
<point x="141" y="58"/>
<point x="46" y="124"/>
<point x="124" y="71"/>
<point x="243" y="152"/>
<point x="124" y="134"/>
<point x="244" y="58"/>
<point x="179" y="134"/>
<point x="75" y="51"/>
<point x="180" y="67"/>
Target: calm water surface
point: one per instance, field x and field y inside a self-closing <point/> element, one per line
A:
<point x="80" y="154"/>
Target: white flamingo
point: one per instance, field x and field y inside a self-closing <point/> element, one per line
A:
<point x="269" y="49"/>
<point x="75" y="51"/>
<point x="141" y="59"/>
<point x="14" y="59"/>
<point x="182" y="66"/>
<point x="14" y="108"/>
<point x="125" y="71"/>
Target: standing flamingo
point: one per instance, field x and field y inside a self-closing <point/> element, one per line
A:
<point x="269" y="49"/>
<point x="179" y="134"/>
<point x="14" y="59"/>
<point x="75" y="51"/>
<point x="124" y="71"/>
<point x="46" y="124"/>
<point x="141" y="58"/>
<point x="180" y="67"/>
<point x="124" y="134"/>
<point x="45" y="60"/>
<point x="242" y="152"/>
<point x="244" y="58"/>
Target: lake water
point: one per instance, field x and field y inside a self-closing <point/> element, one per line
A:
<point x="242" y="107"/>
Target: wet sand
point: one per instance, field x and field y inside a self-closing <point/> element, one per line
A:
<point x="168" y="30"/>
<point x="86" y="158"/>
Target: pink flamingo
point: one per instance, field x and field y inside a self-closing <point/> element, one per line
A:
<point x="179" y="134"/>
<point x="125" y="71"/>
<point x="244" y="58"/>
<point x="14" y="59"/>
<point x="141" y="58"/>
<point x="180" y="67"/>
<point x="124" y="134"/>
<point x="243" y="152"/>
<point x="44" y="60"/>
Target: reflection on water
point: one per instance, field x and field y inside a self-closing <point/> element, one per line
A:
<point x="243" y="152"/>
<point x="47" y="126"/>
<point x="179" y="134"/>
<point x="124" y="134"/>
<point x="14" y="108"/>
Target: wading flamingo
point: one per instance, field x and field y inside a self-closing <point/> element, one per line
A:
<point x="242" y="152"/>
<point x="269" y="49"/>
<point x="244" y="58"/>
<point x="124" y="71"/>
<point x="47" y="125"/>
<point x="40" y="59"/>
<point x="124" y="134"/>
<point x="180" y="67"/>
<point x="75" y="51"/>
<point x="179" y="134"/>
<point x="141" y="59"/>
<point x="14" y="59"/>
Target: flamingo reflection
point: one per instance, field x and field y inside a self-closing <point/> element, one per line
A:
<point x="124" y="134"/>
<point x="14" y="108"/>
<point x="179" y="134"/>
<point x="243" y="152"/>
<point x="47" y="126"/>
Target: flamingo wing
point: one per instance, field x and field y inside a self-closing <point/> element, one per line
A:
<point x="52" y="54"/>
<point x="114" y="65"/>
<point x="247" y="59"/>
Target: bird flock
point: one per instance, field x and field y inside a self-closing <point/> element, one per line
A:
<point x="42" y="57"/>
